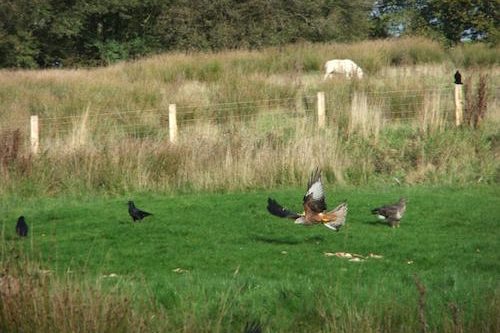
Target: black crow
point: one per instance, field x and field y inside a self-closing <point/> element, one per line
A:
<point x="135" y="212"/>
<point x="458" y="78"/>
<point x="21" y="227"/>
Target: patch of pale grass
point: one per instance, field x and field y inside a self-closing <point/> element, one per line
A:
<point x="192" y="93"/>
<point x="300" y="80"/>
<point x="433" y="115"/>
<point x="415" y="79"/>
<point x="365" y="119"/>
<point x="79" y="133"/>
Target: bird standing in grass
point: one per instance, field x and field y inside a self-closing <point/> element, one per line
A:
<point x="391" y="213"/>
<point x="135" y="212"/>
<point x="21" y="227"/>
<point x="315" y="211"/>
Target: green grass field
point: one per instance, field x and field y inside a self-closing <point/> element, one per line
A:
<point x="213" y="262"/>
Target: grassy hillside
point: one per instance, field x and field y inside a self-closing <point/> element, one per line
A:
<point x="215" y="262"/>
<point x="248" y="120"/>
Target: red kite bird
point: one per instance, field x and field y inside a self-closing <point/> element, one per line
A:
<point x="314" y="207"/>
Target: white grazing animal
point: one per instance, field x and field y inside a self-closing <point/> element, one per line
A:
<point x="342" y="66"/>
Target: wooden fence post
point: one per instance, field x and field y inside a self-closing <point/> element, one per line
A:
<point x="321" y="109"/>
<point x="34" y="135"/>
<point x="459" y="103"/>
<point x="172" y="123"/>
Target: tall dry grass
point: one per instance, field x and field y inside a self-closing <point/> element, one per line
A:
<point x="364" y="119"/>
<point x="246" y="120"/>
<point x="33" y="299"/>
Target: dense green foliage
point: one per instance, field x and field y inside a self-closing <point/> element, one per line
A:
<point x="36" y="33"/>
<point x="213" y="262"/>
<point x="446" y="20"/>
<point x="44" y="33"/>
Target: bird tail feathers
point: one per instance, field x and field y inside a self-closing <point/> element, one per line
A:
<point x="341" y="214"/>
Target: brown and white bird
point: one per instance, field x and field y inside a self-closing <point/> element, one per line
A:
<point x="391" y="213"/>
<point x="315" y="211"/>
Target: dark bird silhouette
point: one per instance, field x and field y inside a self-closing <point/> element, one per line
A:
<point x="135" y="212"/>
<point x="21" y="227"/>
<point x="391" y="213"/>
<point x="458" y="78"/>
<point x="315" y="211"/>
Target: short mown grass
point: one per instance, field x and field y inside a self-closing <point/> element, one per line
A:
<point x="215" y="262"/>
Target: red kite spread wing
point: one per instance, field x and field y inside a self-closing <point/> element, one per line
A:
<point x="314" y="199"/>
<point x="276" y="209"/>
<point x="314" y="207"/>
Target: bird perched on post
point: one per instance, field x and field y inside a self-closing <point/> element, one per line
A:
<point x="136" y="213"/>
<point x="458" y="77"/>
<point x="315" y="211"/>
<point x="391" y="213"/>
<point x="21" y="227"/>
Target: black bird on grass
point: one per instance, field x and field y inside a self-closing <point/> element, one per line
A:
<point x="391" y="213"/>
<point x="135" y="212"/>
<point x="21" y="227"/>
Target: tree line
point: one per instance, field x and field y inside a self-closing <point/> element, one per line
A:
<point x="44" y="33"/>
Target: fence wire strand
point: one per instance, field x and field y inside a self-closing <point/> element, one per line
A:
<point x="393" y="105"/>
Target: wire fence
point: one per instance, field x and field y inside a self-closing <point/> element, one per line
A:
<point x="395" y="105"/>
